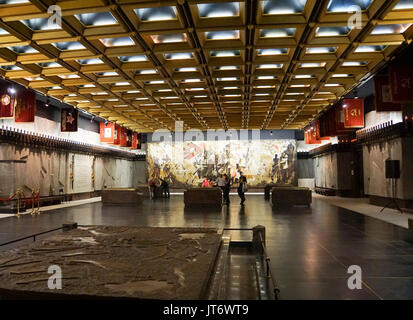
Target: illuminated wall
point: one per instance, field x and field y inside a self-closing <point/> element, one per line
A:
<point x="259" y="160"/>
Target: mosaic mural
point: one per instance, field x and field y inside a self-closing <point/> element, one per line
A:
<point x="260" y="161"/>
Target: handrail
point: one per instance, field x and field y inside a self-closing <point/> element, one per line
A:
<point x="31" y="236"/>
<point x="268" y="269"/>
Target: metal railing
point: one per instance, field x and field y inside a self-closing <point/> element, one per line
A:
<point x="268" y="273"/>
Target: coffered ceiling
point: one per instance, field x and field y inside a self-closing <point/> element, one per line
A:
<point x="212" y="64"/>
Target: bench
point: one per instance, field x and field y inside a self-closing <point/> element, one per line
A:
<point x="291" y="196"/>
<point x="121" y="196"/>
<point x="211" y="197"/>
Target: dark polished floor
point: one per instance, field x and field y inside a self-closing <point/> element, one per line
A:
<point x="310" y="249"/>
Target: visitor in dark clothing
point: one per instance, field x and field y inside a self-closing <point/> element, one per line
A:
<point x="242" y="188"/>
<point x="165" y="188"/>
<point x="226" y="189"/>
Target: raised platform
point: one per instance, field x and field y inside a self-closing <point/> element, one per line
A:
<point x="290" y="196"/>
<point x="203" y="197"/>
<point x="113" y="262"/>
<point x="121" y="196"/>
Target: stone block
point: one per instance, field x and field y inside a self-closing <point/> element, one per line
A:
<point x="203" y="197"/>
<point x="290" y="196"/>
<point x="121" y="196"/>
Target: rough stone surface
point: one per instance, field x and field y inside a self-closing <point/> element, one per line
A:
<point x="119" y="262"/>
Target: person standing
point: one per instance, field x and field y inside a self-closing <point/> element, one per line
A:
<point x="152" y="188"/>
<point x="165" y="188"/>
<point x="226" y="189"/>
<point x="242" y="188"/>
<point x="205" y="183"/>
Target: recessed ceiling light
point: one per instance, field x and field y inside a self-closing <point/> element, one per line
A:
<point x="303" y="76"/>
<point x="353" y="63"/>
<point x="97" y="18"/>
<point x="133" y="58"/>
<point x="222" y="35"/>
<point x="332" y="31"/>
<point x="225" y="53"/>
<point x="347" y="5"/>
<point x="313" y="65"/>
<point x="23" y="49"/>
<point x="187" y="69"/>
<point x="90" y="61"/>
<point x="277" y="33"/>
<point x="11" y="68"/>
<point x="117" y="42"/>
<point x="227" y="79"/>
<point x="218" y="10"/>
<point x="156" y="14"/>
<point x="191" y="80"/>
<point x="70" y="45"/>
<point x="369" y="48"/>
<point x="227" y="68"/>
<point x="147" y="71"/>
<point x="340" y="75"/>
<point x="321" y="50"/>
<point x="270" y="52"/>
<point x="107" y="74"/>
<point x="168" y="38"/>
<point x="265" y="77"/>
<point x="403" y="5"/>
<point x="178" y="56"/>
<point x="390" y="28"/>
<point x="38" y="24"/>
<point x="49" y="65"/>
<point x="269" y="66"/>
<point x="279" y="7"/>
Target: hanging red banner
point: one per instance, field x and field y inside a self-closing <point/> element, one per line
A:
<point x="69" y="120"/>
<point x="7" y="102"/>
<point x="25" y="106"/>
<point x="353" y="113"/>
<point x="123" y="137"/>
<point x="107" y="132"/>
<point x="306" y="137"/>
<point x="401" y="82"/>
<point x="116" y="134"/>
<point x="135" y="141"/>
<point x="382" y="94"/>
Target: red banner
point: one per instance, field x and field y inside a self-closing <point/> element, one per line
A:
<point x="7" y="102"/>
<point x="310" y="136"/>
<point x="116" y="134"/>
<point x="25" y="106"/>
<point x="123" y="137"/>
<point x="107" y="132"/>
<point x="69" y="120"/>
<point x="135" y="141"/>
<point x="353" y="113"/>
<point x="382" y="94"/>
<point x="401" y="82"/>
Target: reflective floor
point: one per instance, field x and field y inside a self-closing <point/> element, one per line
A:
<point x="310" y="249"/>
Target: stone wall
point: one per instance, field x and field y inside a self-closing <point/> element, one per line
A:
<point x="50" y="171"/>
<point x="374" y="157"/>
<point x="333" y="171"/>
